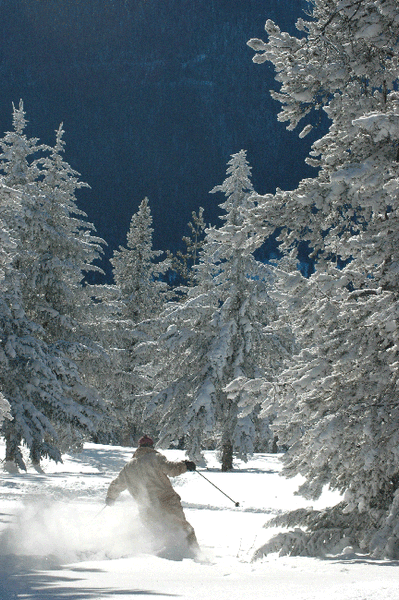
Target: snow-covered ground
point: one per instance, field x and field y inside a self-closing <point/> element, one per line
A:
<point x="54" y="544"/>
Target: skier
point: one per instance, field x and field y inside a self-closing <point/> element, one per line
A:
<point x="146" y="477"/>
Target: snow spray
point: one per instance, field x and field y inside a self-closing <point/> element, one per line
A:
<point x="72" y="532"/>
<point x="66" y="531"/>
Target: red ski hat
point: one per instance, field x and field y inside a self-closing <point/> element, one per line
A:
<point x="145" y="441"/>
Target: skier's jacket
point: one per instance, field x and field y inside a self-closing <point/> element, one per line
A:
<point x="146" y="477"/>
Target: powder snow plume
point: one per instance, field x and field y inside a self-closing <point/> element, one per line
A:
<point x="68" y="532"/>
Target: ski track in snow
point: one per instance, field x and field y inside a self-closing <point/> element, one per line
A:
<point x="55" y="544"/>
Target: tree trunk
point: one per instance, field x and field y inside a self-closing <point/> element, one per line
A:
<point x="35" y="456"/>
<point x="13" y="459"/>
<point x="227" y="456"/>
<point x="129" y="434"/>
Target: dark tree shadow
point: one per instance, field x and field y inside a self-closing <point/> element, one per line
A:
<point x="356" y="559"/>
<point x="42" y="578"/>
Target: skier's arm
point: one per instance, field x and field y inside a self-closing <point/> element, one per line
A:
<point x="116" y="487"/>
<point x="172" y="469"/>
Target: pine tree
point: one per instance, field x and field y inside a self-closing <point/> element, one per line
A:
<point x="65" y="305"/>
<point x="140" y="294"/>
<point x="136" y="272"/>
<point x="44" y="389"/>
<point x="45" y="334"/>
<point x="16" y="148"/>
<point x="184" y="263"/>
<point x="223" y="333"/>
<point x="7" y="248"/>
<point x="339" y="398"/>
<point x="68" y="249"/>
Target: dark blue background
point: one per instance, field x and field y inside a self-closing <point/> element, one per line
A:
<point x="155" y="96"/>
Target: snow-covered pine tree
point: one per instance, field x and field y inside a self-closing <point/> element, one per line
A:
<point x="339" y="399"/>
<point x="46" y="305"/>
<point x="141" y="294"/>
<point x="138" y="271"/>
<point x="29" y="373"/>
<point x="67" y="249"/>
<point x="65" y="305"/>
<point x="183" y="263"/>
<point x="223" y="332"/>
<point x="45" y="391"/>
<point x="118" y="381"/>
<point x="7" y="247"/>
<point x="17" y="150"/>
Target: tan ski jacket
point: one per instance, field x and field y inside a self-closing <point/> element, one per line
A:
<point x="146" y="477"/>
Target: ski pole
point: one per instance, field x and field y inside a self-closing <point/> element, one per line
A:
<point x="221" y="491"/>
<point x="99" y="513"/>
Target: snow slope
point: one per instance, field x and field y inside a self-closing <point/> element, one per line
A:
<point x="54" y="544"/>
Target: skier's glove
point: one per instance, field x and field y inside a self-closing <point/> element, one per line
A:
<point x="191" y="466"/>
<point x="109" y="501"/>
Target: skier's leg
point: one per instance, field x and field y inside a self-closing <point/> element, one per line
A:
<point x="175" y="510"/>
